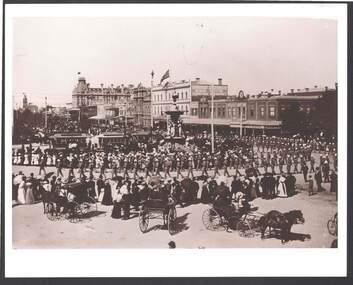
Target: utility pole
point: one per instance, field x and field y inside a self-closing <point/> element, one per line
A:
<point x="212" y="116"/>
<point x="46" y="114"/>
<point x="152" y="74"/>
<point x="241" y="121"/>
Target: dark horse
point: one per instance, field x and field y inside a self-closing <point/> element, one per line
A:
<point x="284" y="222"/>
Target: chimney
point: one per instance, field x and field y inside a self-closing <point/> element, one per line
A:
<point x="272" y="90"/>
<point x="326" y="88"/>
<point x="219" y="81"/>
<point x="279" y="92"/>
<point x="315" y="86"/>
<point x="197" y="78"/>
<point x="298" y="90"/>
<point x="307" y="89"/>
<point x="292" y="90"/>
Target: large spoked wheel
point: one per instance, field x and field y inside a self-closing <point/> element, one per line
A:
<point x="143" y="220"/>
<point x="88" y="206"/>
<point x="51" y="212"/>
<point x="74" y="212"/>
<point x="172" y="215"/>
<point x="244" y="229"/>
<point x="332" y="227"/>
<point x="212" y="220"/>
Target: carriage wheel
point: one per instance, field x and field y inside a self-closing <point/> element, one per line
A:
<point x="212" y="220"/>
<point x="51" y="213"/>
<point x="74" y="214"/>
<point x="89" y="206"/>
<point x="332" y="227"/>
<point x="172" y="215"/>
<point x="143" y="220"/>
<point x="244" y="229"/>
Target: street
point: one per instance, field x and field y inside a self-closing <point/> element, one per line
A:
<point x="32" y="229"/>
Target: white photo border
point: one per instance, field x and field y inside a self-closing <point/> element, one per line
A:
<point x="181" y="262"/>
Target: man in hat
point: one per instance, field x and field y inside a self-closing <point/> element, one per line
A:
<point x="318" y="179"/>
<point x="42" y="164"/>
<point x="326" y="170"/>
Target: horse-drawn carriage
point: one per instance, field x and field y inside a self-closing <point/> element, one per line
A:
<point x="72" y="203"/>
<point x="220" y="218"/>
<point x="158" y="207"/>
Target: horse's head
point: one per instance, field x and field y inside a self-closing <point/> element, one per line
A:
<point x="296" y="216"/>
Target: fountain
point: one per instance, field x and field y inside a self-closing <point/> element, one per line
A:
<point x="175" y="133"/>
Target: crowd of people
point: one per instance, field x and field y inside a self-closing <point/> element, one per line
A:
<point x="260" y="166"/>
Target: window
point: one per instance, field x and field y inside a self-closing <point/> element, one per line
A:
<point x="229" y="112"/>
<point x="186" y="109"/>
<point x="234" y="112"/>
<point x="262" y="111"/>
<point x="272" y="111"/>
<point x="186" y="95"/>
<point x="182" y="95"/>
<point x="252" y="112"/>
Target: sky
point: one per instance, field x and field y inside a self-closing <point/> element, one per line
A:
<point x="249" y="54"/>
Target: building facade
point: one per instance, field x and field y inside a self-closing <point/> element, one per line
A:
<point x="110" y="103"/>
<point x="265" y="112"/>
<point x="188" y="92"/>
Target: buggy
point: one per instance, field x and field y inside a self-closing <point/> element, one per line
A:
<point x="73" y="205"/>
<point x="220" y="218"/>
<point x="158" y="209"/>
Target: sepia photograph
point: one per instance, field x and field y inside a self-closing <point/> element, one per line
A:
<point x="184" y="132"/>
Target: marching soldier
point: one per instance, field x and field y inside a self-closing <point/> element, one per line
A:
<point x="273" y="164"/>
<point x="91" y="167"/>
<point x="280" y="163"/>
<point x="59" y="165"/>
<point x="126" y="168"/>
<point x="167" y="164"/>
<point x="226" y="164"/>
<point x="136" y="167"/>
<point x="204" y="167"/>
<point x="217" y="163"/>
<point x="191" y="166"/>
<point x="289" y="163"/>
<point x="312" y="164"/>
<point x="178" y="168"/>
<point x="115" y="168"/>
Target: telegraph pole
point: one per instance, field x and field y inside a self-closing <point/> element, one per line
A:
<point x="212" y="123"/>
<point x="152" y="74"/>
<point x="241" y="121"/>
<point x="46" y="114"/>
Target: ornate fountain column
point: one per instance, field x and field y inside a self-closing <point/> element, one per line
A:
<point x="175" y="133"/>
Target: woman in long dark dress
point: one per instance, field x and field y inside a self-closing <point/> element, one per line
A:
<point x="107" y="197"/>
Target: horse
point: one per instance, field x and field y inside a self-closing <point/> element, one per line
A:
<point x="276" y="220"/>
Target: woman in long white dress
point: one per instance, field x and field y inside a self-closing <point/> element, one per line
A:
<point x="22" y="191"/>
<point x="282" y="189"/>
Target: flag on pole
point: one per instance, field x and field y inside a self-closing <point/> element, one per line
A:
<point x="165" y="76"/>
